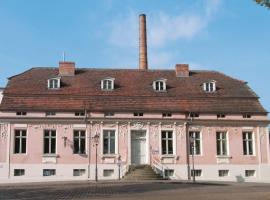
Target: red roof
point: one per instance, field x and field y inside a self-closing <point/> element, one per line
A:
<point x="133" y="92"/>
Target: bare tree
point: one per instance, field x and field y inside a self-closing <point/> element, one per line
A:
<point x="265" y="3"/>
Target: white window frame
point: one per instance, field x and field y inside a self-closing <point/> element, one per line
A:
<point x="209" y="86"/>
<point x="160" y="82"/>
<point x="79" y="137"/>
<point x="195" y="147"/>
<point x="167" y="147"/>
<point x="105" y="86"/>
<point x="50" y="141"/>
<point x="20" y="137"/>
<point x="55" y="83"/>
<point x="115" y="142"/>
<point x="246" y="140"/>
<point x="221" y="146"/>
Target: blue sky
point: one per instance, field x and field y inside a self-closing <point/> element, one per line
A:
<point x="231" y="36"/>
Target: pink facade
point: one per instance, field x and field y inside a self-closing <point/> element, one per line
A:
<point x="152" y="125"/>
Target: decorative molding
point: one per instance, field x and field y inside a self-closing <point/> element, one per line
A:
<point x="123" y="129"/>
<point x="3" y="131"/>
<point x="137" y="125"/>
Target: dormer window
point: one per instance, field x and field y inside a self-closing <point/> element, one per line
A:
<point x="107" y="84"/>
<point x="159" y="85"/>
<point x="54" y="83"/>
<point x="209" y="86"/>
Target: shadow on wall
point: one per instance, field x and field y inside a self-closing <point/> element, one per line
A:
<point x="240" y="179"/>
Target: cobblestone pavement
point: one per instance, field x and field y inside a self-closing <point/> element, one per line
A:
<point x="135" y="190"/>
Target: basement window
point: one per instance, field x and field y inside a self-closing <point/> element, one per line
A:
<point x="159" y="85"/>
<point x="78" y="172"/>
<point x="107" y="84"/>
<point x="49" y="172"/>
<point x="54" y="83"/>
<point x="209" y="86"/>
<point x="249" y="173"/>
<point x="50" y="114"/>
<point x="196" y="172"/>
<point x="223" y="173"/>
<point x="19" y="172"/>
<point x="108" y="172"/>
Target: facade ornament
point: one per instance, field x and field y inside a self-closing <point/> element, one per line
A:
<point x="138" y="125"/>
<point x="3" y="131"/>
<point x="123" y="129"/>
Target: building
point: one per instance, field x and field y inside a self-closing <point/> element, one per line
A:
<point x="55" y="120"/>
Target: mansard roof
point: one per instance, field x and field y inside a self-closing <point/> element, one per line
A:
<point x="133" y="91"/>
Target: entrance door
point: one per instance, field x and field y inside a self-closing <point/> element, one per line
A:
<point x="138" y="147"/>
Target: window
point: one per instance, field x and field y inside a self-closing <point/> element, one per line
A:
<point x="54" y="83"/>
<point x="108" y="114"/>
<point x="108" y="142"/>
<point x="19" y="172"/>
<point x="209" y="86"/>
<point x="79" y="142"/>
<point x="195" y="142"/>
<point x="223" y="172"/>
<point x="169" y="173"/>
<point x="107" y="84"/>
<point x="20" y="141"/>
<point x="21" y="113"/>
<point x="49" y="142"/>
<point x="49" y="172"/>
<point x="248" y="143"/>
<point x="159" y="85"/>
<point x="166" y="114"/>
<point x="221" y="116"/>
<point x="137" y="114"/>
<point x="167" y="142"/>
<point x="196" y="172"/>
<point x="78" y="114"/>
<point x="194" y="115"/>
<point x="246" y="116"/>
<point x="249" y="173"/>
<point x="222" y="143"/>
<point x="78" y="172"/>
<point x="108" y="172"/>
<point x="50" y="113"/>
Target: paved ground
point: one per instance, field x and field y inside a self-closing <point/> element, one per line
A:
<point x="136" y="190"/>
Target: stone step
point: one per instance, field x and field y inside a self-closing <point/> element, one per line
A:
<point x="142" y="172"/>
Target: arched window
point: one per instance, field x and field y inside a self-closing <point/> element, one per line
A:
<point x="107" y="84"/>
<point x="209" y="86"/>
<point x="53" y="83"/>
<point x="159" y="85"/>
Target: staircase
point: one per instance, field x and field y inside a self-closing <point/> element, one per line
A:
<point x="142" y="172"/>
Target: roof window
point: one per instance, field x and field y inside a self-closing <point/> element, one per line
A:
<point x="53" y="83"/>
<point x="209" y="86"/>
<point x="159" y="85"/>
<point x="107" y="84"/>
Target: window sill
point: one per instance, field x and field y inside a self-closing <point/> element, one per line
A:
<point x="109" y="155"/>
<point x="168" y="156"/>
<point x="49" y="155"/>
<point x="228" y="157"/>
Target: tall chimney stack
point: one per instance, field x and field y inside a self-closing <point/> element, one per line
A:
<point x="143" y="43"/>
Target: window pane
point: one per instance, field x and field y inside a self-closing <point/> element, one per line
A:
<point x="53" y="133"/>
<point x="76" y="145"/>
<point x="218" y="147"/>
<point x="105" y="146"/>
<point x="224" y="147"/>
<point x="53" y="145"/>
<point x="82" y="145"/>
<point x="169" y="134"/>
<point x="198" y="147"/>
<point x="46" y="145"/>
<point x="250" y="147"/>
<point x="170" y="147"/>
<point x="23" y="145"/>
<point x="17" y="145"/>
<point x="17" y="133"/>
<point x="164" y="147"/>
<point x="112" y="146"/>
<point x="46" y="133"/>
<point x="76" y="133"/>
<point x="163" y="134"/>
<point x="24" y="133"/>
<point x="244" y="147"/>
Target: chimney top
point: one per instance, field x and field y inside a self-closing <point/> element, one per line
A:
<point x="182" y="70"/>
<point x="143" y="63"/>
<point x="66" y="68"/>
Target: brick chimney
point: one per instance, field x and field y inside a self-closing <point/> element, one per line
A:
<point x="143" y="63"/>
<point x="66" y="68"/>
<point x="182" y="70"/>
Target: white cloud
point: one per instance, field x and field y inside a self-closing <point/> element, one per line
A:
<point x="164" y="29"/>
